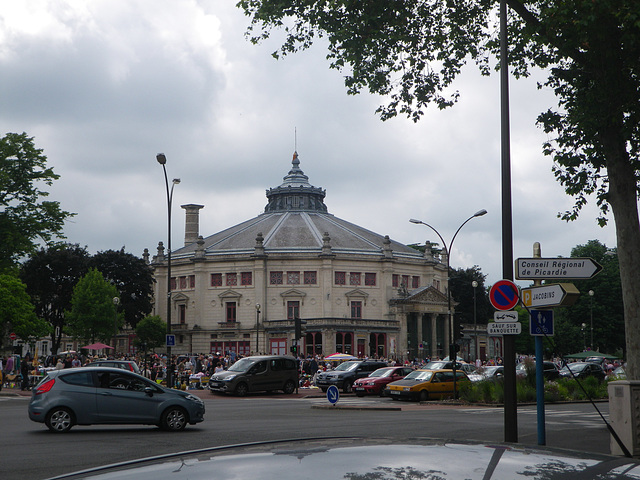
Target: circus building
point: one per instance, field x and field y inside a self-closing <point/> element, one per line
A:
<point x="355" y="291"/>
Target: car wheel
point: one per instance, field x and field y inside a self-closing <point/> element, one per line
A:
<point x="59" y="420"/>
<point x="174" y="419"/>
<point x="348" y="387"/>
<point x="242" y="389"/>
<point x="423" y="396"/>
<point x="289" y="387"/>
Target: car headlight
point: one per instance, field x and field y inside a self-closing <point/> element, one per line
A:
<point x="228" y="378"/>
<point x="193" y="398"/>
<point x="406" y="389"/>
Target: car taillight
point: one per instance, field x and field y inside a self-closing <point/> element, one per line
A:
<point x="45" y="387"/>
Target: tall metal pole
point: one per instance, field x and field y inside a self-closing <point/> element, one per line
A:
<point x="509" y="360"/>
<point x="452" y="350"/>
<point x="591" y="314"/>
<point x="474" y="284"/>
<point x="162" y="160"/>
<point x="257" y="327"/>
<point x="116" y="301"/>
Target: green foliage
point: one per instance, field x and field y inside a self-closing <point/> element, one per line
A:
<point x="93" y="312"/>
<point x="51" y="275"/>
<point x="462" y="292"/>
<point x="150" y="333"/>
<point x="25" y="215"/>
<point x="132" y="277"/>
<point x="16" y="311"/>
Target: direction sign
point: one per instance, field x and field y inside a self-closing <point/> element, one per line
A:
<point x="504" y="328"/>
<point x="560" y="268"/>
<point x="554" y="295"/>
<point x="504" y="295"/>
<point x="333" y="395"/>
<point x="541" y="323"/>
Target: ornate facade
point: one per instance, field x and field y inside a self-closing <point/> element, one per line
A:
<point x="355" y="291"/>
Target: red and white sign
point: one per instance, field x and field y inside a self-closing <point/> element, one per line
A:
<point x="504" y="295"/>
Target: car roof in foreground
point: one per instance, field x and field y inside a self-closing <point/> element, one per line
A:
<point x="338" y="457"/>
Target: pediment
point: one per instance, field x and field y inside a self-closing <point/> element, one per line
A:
<point x="227" y="294"/>
<point x="293" y="293"/>
<point x="427" y="295"/>
<point x="179" y="297"/>
<point x="356" y="294"/>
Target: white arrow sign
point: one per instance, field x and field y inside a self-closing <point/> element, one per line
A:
<point x="557" y="294"/>
<point x="503" y="328"/>
<point x="556" y="268"/>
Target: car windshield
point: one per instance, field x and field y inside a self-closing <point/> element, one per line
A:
<point x="436" y="365"/>
<point x="419" y="375"/>
<point x="242" y="365"/>
<point x="347" y="366"/>
<point x="382" y="372"/>
<point x="575" y="367"/>
<point x="490" y="370"/>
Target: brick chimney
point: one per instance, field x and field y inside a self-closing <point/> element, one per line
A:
<point x="191" y="224"/>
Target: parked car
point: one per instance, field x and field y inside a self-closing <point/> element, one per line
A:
<point x="489" y="372"/>
<point x="346" y="373"/>
<point x="425" y="384"/>
<point x="257" y="374"/>
<point x="617" y="374"/>
<point x="583" y="370"/>
<point x="549" y="369"/>
<point x="105" y="395"/>
<point x="375" y="383"/>
<point x="124" y="364"/>
<point x="371" y="458"/>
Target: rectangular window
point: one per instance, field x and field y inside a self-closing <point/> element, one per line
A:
<point x="341" y="278"/>
<point x="405" y="281"/>
<point x="293" y="278"/>
<point x="356" y="309"/>
<point x="230" y="311"/>
<point x="192" y="281"/>
<point x="370" y="279"/>
<point x="415" y="281"/>
<point x="354" y="278"/>
<point x="275" y="278"/>
<point x="293" y="309"/>
<point x="395" y="280"/>
<point x="232" y="279"/>
<point x="173" y="283"/>
<point x="182" y="314"/>
<point x="245" y="278"/>
<point x="216" y="279"/>
<point x="183" y="283"/>
<point x="310" y="278"/>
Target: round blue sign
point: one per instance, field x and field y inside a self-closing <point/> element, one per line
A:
<point x="333" y="395"/>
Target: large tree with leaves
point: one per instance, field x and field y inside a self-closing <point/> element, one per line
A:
<point x="132" y="277"/>
<point x="93" y="312"/>
<point x="51" y="274"/>
<point x="26" y="218"/>
<point x="411" y="51"/>
<point x="17" y="313"/>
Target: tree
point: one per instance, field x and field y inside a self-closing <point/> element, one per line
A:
<point x="411" y="51"/>
<point x="92" y="312"/>
<point x="17" y="313"/>
<point x="604" y="307"/>
<point x="132" y="277"/>
<point x="462" y="292"/>
<point x="51" y="275"/>
<point x="150" y="332"/>
<point x="25" y="217"/>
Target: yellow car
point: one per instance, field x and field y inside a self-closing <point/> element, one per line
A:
<point x="425" y="384"/>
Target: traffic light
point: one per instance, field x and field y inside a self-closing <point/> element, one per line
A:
<point x="458" y="331"/>
<point x="294" y="350"/>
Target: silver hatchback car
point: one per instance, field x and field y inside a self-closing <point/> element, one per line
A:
<point x="103" y="395"/>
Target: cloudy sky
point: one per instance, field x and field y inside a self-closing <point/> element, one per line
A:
<point x="105" y="85"/>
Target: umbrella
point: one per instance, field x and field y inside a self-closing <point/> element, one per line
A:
<point x="588" y="354"/>
<point x="336" y="357"/>
<point x="97" y="346"/>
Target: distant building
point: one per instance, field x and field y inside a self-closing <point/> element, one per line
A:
<point x="239" y="290"/>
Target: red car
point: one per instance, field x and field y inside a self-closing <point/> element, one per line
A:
<point x="375" y="383"/>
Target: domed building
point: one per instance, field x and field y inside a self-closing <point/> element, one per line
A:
<point x="355" y="291"/>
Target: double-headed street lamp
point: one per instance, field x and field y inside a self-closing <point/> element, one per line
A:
<point x="116" y="302"/>
<point x="452" y="350"/>
<point x="474" y="284"/>
<point x="162" y="160"/>
<point x="257" y="326"/>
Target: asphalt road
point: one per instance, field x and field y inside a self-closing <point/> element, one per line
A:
<point x="30" y="451"/>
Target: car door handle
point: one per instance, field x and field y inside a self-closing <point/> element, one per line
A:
<point x="106" y="394"/>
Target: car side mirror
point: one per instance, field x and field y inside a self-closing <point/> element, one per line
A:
<point x="148" y="391"/>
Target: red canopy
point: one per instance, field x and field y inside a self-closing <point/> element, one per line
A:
<point x="97" y="346"/>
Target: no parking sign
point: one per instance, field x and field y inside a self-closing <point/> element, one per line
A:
<point x="504" y="295"/>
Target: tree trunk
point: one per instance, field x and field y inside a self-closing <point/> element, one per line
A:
<point x="623" y="200"/>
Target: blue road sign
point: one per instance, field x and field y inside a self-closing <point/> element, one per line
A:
<point x="541" y="323"/>
<point x="333" y="395"/>
<point x="504" y="295"/>
<point x="171" y="340"/>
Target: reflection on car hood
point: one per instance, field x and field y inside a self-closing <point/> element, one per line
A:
<point x="385" y="458"/>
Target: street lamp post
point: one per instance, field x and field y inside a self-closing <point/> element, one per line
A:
<point x="591" y="292"/>
<point x="116" y="301"/>
<point x="584" y="340"/>
<point x="474" y="284"/>
<point x="257" y="326"/>
<point x="452" y="351"/>
<point x="162" y="160"/>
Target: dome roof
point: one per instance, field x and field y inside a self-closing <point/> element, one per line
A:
<point x="296" y="220"/>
